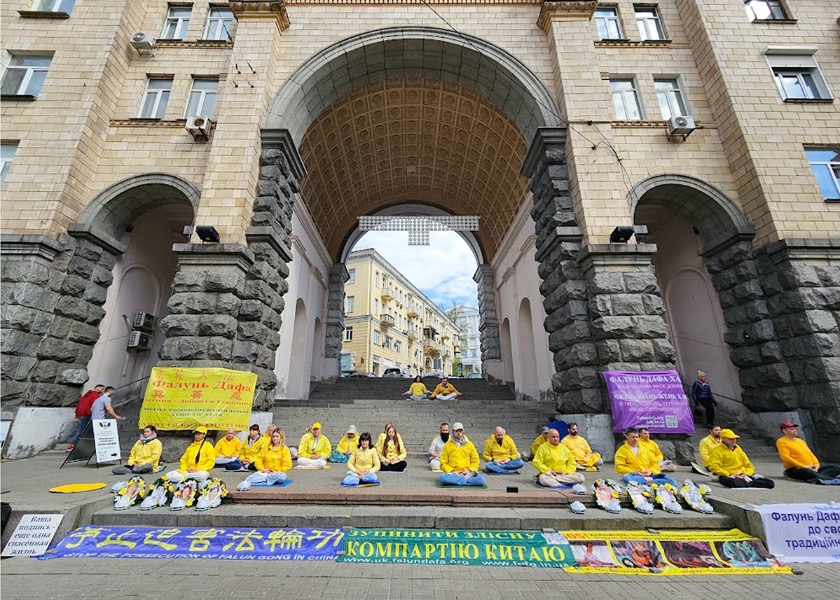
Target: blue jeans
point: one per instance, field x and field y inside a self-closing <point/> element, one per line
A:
<point x="366" y="478"/>
<point x="81" y="425"/>
<point x="237" y="464"/>
<point x="453" y="479"/>
<point x="660" y="478"/>
<point x="494" y="467"/>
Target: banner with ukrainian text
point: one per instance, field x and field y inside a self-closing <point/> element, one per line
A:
<point x="444" y="547"/>
<point x="802" y="532"/>
<point x="652" y="399"/>
<point x="225" y="543"/>
<point x="183" y="398"/>
<point x="671" y="553"/>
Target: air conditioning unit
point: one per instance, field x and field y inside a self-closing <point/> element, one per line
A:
<point x="137" y="340"/>
<point x="143" y="42"/>
<point x="199" y="127"/>
<point x="680" y="125"/>
<point x="144" y="322"/>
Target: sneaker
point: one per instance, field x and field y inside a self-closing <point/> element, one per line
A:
<point x="70" y="448"/>
<point x="244" y="485"/>
<point x="577" y="507"/>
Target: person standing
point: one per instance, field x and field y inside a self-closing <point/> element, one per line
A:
<point x="732" y="466"/>
<point x="701" y="393"/>
<point x="102" y="406"/>
<point x="798" y="460"/>
<point x="83" y="412"/>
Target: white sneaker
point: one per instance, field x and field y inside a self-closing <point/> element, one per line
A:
<point x="244" y="485"/>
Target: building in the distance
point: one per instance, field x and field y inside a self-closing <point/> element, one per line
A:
<point x="390" y="323"/>
<point x="467" y="319"/>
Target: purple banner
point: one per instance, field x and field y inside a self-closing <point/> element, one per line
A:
<point x="652" y="399"/>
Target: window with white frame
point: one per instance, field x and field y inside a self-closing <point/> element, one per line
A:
<point x="398" y="347"/>
<point x="176" y="24"/>
<point x="350" y="304"/>
<point x="608" y="23"/>
<point x="352" y="273"/>
<point x="765" y="10"/>
<point x="7" y="153"/>
<point x="348" y="334"/>
<point x="219" y="24"/>
<point x="155" y="98"/>
<point x="650" y="25"/>
<point x="825" y="163"/>
<point x="377" y="279"/>
<point x="377" y="337"/>
<point x="670" y="97"/>
<point x="25" y="75"/>
<point x="202" y="98"/>
<point x="625" y="100"/>
<point x="389" y="342"/>
<point x="59" y="6"/>
<point x="797" y="76"/>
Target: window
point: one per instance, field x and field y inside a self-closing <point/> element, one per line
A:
<point x="765" y="10"/>
<point x="398" y="348"/>
<point x="219" y="24"/>
<point x="376" y="307"/>
<point x="377" y="279"/>
<point x="348" y="334"/>
<point x="202" y="98"/>
<point x="670" y="98"/>
<point x="155" y="98"/>
<point x="25" y="75"/>
<point x="606" y="20"/>
<point x="177" y="21"/>
<point x="826" y="167"/>
<point x="62" y="6"/>
<point x="650" y="25"/>
<point x="389" y="342"/>
<point x="377" y="337"/>
<point x="797" y="76"/>
<point x="350" y="303"/>
<point x="352" y="273"/>
<point x="7" y="153"/>
<point x="625" y="100"/>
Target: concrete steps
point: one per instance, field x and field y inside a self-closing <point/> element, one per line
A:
<point x="390" y="388"/>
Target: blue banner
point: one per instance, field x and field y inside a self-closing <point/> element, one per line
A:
<point x="229" y="543"/>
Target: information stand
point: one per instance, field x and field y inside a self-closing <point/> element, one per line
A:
<point x="101" y="439"/>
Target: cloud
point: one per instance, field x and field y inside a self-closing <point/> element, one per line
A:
<point x="443" y="270"/>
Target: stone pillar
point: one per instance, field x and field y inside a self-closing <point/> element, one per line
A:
<point x="488" y="322"/>
<point x="227" y="299"/>
<point x="52" y="297"/>
<point x="335" y="318"/>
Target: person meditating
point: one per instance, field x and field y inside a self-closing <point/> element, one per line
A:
<point x="459" y="460"/>
<point x="197" y="460"/>
<point x="417" y="390"/>
<point x="145" y="454"/>
<point x="555" y="464"/>
<point x="798" y="460"/>
<point x="363" y="463"/>
<point x="436" y="447"/>
<point x="314" y="449"/>
<point x="392" y="452"/>
<point x="228" y="448"/>
<point x="585" y="459"/>
<point x="709" y="443"/>
<point x="346" y="445"/>
<point x="249" y="451"/>
<point x="635" y="463"/>
<point x="445" y="391"/>
<point x="732" y="467"/>
<point x="541" y="439"/>
<point x="500" y="454"/>
<point x="272" y="463"/>
<point x="652" y="447"/>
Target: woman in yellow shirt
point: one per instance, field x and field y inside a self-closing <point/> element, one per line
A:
<point x="392" y="452"/>
<point x="272" y="463"/>
<point x="417" y="390"/>
<point x="363" y="463"/>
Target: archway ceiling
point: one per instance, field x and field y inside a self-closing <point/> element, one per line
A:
<point x="412" y="140"/>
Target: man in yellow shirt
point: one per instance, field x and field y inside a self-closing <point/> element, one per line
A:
<point x="709" y="443"/>
<point x="459" y="460"/>
<point x="732" y="467"/>
<point x="500" y="454"/>
<point x="249" y="451"/>
<point x="555" y="464"/>
<point x="798" y="460"/>
<point x="585" y="459"/>
<point x="314" y="449"/>
<point x="227" y="449"/>
<point x="541" y="439"/>
<point x="197" y="460"/>
<point x="445" y="391"/>
<point x="635" y="463"/>
<point x="652" y="447"/>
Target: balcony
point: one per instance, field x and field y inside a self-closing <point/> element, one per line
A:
<point x="386" y="320"/>
<point x="387" y="295"/>
<point x="411" y="313"/>
<point x="412" y="336"/>
<point x="430" y="347"/>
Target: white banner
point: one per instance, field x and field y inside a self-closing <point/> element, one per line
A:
<point x="107" y="440"/>
<point x="33" y="535"/>
<point x="802" y="532"/>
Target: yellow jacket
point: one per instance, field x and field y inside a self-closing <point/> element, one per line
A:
<point x="250" y="453"/>
<point x="392" y="450"/>
<point x="726" y="462"/>
<point x="323" y="448"/>
<point x="274" y="459"/>
<point x="653" y="448"/>
<point x="578" y="446"/>
<point x="707" y="444"/>
<point x="456" y="458"/>
<point x="444" y="389"/>
<point x="626" y="461"/>
<point x="795" y="453"/>
<point x="493" y="450"/>
<point x="417" y="388"/>
<point x="554" y="458"/>
<point x="146" y="453"/>
<point x="228" y="448"/>
<point x="345" y="446"/>
<point x="539" y="441"/>
<point x="364" y="460"/>
<point x="199" y="456"/>
<point x="381" y="440"/>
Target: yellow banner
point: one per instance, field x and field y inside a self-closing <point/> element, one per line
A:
<point x="183" y="398"/>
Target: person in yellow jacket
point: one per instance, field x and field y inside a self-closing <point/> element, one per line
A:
<point x="732" y="467"/>
<point x="363" y="463"/>
<point x="145" y="454"/>
<point x="228" y="448"/>
<point x="346" y="446"/>
<point x="417" y="390"/>
<point x="392" y="452"/>
<point x="500" y="453"/>
<point x="709" y="443"/>
<point x="799" y="462"/>
<point x="459" y="460"/>
<point x="652" y="447"/>
<point x="635" y="463"/>
<point x="314" y="449"/>
<point x="249" y="451"/>
<point x="272" y="463"/>
<point x="197" y="460"/>
<point x="445" y="391"/>
<point x="541" y="439"/>
<point x="585" y="459"/>
<point x="555" y="464"/>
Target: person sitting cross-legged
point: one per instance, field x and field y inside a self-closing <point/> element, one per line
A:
<point x="445" y="391"/>
<point x="314" y="449"/>
<point x="272" y="463"/>
<point x="635" y="463"/>
<point x="346" y="445"/>
<point x="500" y="454"/>
<point x="392" y="452"/>
<point x="249" y="451"/>
<point x="585" y="458"/>
<point x="732" y="467"/>
<point x="709" y="443"/>
<point x="197" y="460"/>
<point x="653" y="448"/>
<point x="459" y="460"/>
<point x="555" y="464"/>
<point x="541" y="439"/>
<point x="417" y="390"/>
<point x="436" y="447"/>
<point x="363" y="463"/>
<point x="145" y="454"/>
<point x="228" y="448"/>
<point x="798" y="460"/>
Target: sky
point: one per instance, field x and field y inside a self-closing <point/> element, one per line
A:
<point x="443" y="270"/>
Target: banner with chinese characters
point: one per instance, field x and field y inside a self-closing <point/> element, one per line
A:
<point x="227" y="543"/>
<point x="802" y="532"/>
<point x="652" y="399"/>
<point x="671" y="553"/>
<point x="179" y="398"/>
<point x="444" y="547"/>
